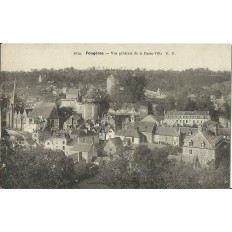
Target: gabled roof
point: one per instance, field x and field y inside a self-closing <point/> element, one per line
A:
<point x="211" y="123"/>
<point x="187" y="113"/>
<point x="210" y="140"/>
<point x="130" y="132"/>
<point x="144" y="126"/>
<point x="152" y="118"/>
<point x="108" y="127"/>
<point x="167" y="131"/>
<point x="74" y="116"/>
<point x="117" y="142"/>
<point x="82" y="147"/>
<point x="46" y="110"/>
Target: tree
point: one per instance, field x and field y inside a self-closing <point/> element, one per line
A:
<point x="148" y="168"/>
<point x="36" y="168"/>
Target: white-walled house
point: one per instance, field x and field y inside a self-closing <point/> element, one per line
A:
<point x="56" y="143"/>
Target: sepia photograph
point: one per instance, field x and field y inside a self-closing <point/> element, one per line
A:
<point x="115" y="116"/>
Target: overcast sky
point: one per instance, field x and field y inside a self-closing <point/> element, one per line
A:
<point x="17" y="57"/>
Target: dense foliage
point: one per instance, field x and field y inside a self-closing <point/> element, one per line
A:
<point x="153" y="169"/>
<point x="35" y="168"/>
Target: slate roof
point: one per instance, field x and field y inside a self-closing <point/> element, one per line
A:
<point x="187" y="113"/>
<point x="76" y="117"/>
<point x="82" y="147"/>
<point x="211" y="123"/>
<point x="186" y="130"/>
<point x="144" y="126"/>
<point x="30" y="141"/>
<point x="152" y="118"/>
<point x="46" y="110"/>
<point x="130" y="132"/>
<point x="211" y="140"/>
<point x="116" y="141"/>
<point x="167" y="131"/>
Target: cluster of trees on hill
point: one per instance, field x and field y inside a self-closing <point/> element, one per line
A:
<point x="170" y="81"/>
<point x="153" y="169"/>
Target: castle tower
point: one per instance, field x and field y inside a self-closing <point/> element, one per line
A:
<point x="111" y="82"/>
<point x="40" y="79"/>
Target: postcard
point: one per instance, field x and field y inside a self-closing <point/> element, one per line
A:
<point x="115" y="116"/>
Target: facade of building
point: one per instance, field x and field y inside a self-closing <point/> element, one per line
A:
<point x="113" y="145"/>
<point x="44" y="115"/>
<point x="134" y="136"/>
<point x="73" y="121"/>
<point x="182" y="118"/>
<point x="56" y="143"/>
<point x="147" y="129"/>
<point x="203" y="145"/>
<point x="84" y="136"/>
<point x="167" y="135"/>
<point x="83" y="152"/>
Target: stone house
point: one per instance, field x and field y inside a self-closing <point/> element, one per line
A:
<point x="167" y="135"/>
<point x="134" y="135"/>
<point x="84" y="136"/>
<point x="83" y="152"/>
<point x="113" y="145"/>
<point x="56" y="143"/>
<point x="205" y="146"/>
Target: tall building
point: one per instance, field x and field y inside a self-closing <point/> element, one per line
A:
<point x="111" y="82"/>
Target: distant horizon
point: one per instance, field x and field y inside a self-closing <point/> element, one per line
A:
<point x="114" y="69"/>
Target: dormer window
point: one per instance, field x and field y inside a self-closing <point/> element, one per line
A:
<point x="203" y="144"/>
<point x="190" y="143"/>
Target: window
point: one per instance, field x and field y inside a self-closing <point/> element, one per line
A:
<point x="133" y="139"/>
<point x="63" y="147"/>
<point x="203" y="144"/>
<point x="190" y="151"/>
<point x="80" y="156"/>
<point x="176" y="120"/>
<point x="63" y="142"/>
<point x="190" y="143"/>
<point x="48" y="143"/>
<point x="186" y="121"/>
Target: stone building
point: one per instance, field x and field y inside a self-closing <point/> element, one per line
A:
<point x="183" y="118"/>
<point x="167" y="135"/>
<point x="204" y="145"/>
